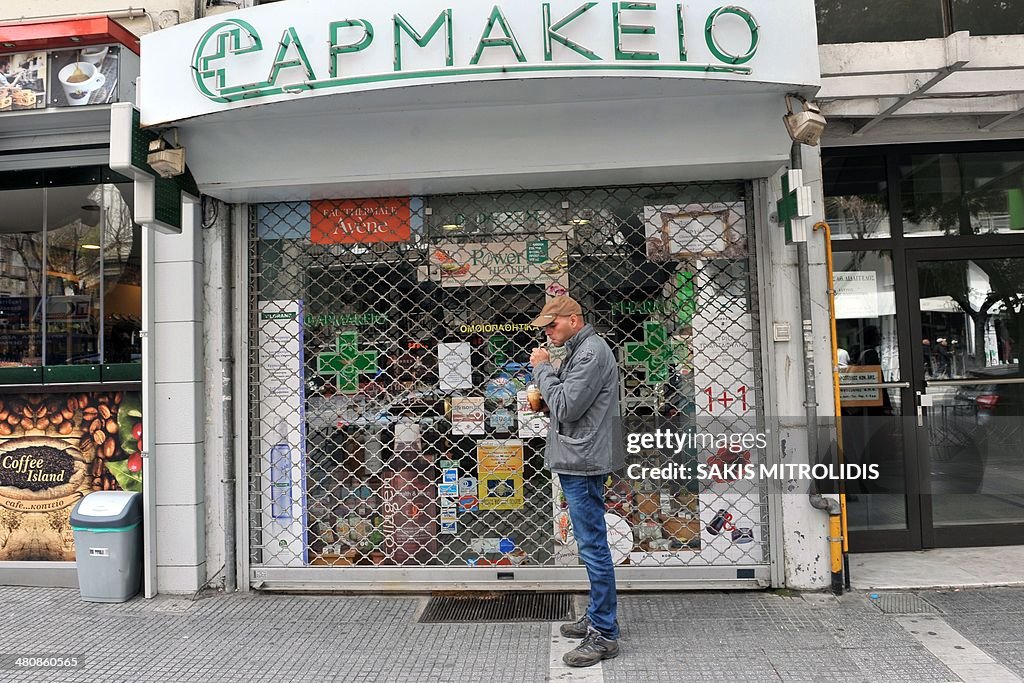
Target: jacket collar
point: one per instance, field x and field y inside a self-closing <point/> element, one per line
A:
<point x="574" y="342"/>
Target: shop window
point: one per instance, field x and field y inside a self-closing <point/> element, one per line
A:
<point x="856" y="196"/>
<point x="988" y="17"/>
<point x="855" y="21"/>
<point x="70" y="281"/>
<point x="978" y="193"/>
<point x="21" y="277"/>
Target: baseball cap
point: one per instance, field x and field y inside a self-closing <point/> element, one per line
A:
<point x="559" y="305"/>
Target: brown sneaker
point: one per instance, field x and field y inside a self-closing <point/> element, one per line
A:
<point x="592" y="650"/>
<point x="577" y="629"/>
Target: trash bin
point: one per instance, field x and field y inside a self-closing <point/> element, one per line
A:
<point x="108" y="545"/>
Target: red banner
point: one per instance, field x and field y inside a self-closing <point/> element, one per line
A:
<point x="359" y="221"/>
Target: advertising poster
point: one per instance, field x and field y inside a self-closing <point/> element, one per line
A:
<point x="281" y="435"/>
<point x="360" y="221"/>
<point x="55" y="449"/>
<point x="714" y="230"/>
<point x="467" y="415"/>
<point x="23" y="81"/>
<point x="730" y="529"/>
<point x="476" y="264"/>
<point x="85" y="76"/>
<point x="500" y="474"/>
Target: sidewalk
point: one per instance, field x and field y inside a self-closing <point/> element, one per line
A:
<point x="968" y="635"/>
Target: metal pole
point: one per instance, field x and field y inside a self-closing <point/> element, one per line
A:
<point x="227" y="399"/>
<point x="817" y="500"/>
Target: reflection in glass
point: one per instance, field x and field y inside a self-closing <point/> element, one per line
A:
<point x="74" y="226"/>
<point x="122" y="277"/>
<point x="854" y="21"/>
<point x="21" y="259"/>
<point x="988" y="17"/>
<point x="92" y="285"/>
<point x="973" y="328"/>
<point x="868" y="354"/>
<point x="856" y="196"/>
<point x="977" y="193"/>
<point x="866" y="312"/>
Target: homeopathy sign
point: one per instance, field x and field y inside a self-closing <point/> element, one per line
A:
<point x="308" y="48"/>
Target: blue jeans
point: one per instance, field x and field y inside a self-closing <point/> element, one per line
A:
<point x="585" y="496"/>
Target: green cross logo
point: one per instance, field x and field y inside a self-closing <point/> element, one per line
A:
<point x="347" y="362"/>
<point x="228" y="37"/>
<point x="787" y="207"/>
<point x="655" y="353"/>
<point x="794" y="206"/>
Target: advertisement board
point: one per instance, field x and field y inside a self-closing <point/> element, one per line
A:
<point x="56" y="448"/>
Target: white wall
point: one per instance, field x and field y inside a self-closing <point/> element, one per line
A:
<point x="214" y="281"/>
<point x="178" y="408"/>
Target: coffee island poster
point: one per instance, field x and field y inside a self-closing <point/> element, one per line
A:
<point x="55" y="449"/>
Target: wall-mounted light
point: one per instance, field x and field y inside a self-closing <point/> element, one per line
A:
<point x="166" y="158"/>
<point x="90" y="214"/>
<point x="806" y="126"/>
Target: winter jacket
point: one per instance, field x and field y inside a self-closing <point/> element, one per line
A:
<point x="585" y="433"/>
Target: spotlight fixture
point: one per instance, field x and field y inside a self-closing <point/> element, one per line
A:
<point x="165" y="158"/>
<point x="806" y="126"/>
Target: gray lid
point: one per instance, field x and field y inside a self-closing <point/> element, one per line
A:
<point x="107" y="510"/>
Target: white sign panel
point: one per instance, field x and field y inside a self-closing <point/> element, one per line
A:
<point x="467" y="415"/>
<point x="308" y="48"/>
<point x="283" y="512"/>
<point x="856" y="294"/>
<point x="454" y="365"/>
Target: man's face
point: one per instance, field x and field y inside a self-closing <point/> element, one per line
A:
<point x="561" y="329"/>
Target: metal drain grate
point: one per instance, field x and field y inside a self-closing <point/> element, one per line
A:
<point x="500" y="607"/>
<point x="903" y="603"/>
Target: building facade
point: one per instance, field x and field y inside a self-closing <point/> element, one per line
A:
<point x="923" y="188"/>
<point x="333" y="342"/>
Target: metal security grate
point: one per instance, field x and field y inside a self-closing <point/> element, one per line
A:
<point x="389" y="341"/>
<point x="499" y="607"/>
<point x="904" y="603"/>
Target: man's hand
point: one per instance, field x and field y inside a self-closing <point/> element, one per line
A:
<point x="539" y="355"/>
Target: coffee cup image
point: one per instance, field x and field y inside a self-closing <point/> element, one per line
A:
<point x="94" y="54"/>
<point x="79" y="81"/>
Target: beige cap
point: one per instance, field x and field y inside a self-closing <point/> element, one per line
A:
<point x="559" y="305"/>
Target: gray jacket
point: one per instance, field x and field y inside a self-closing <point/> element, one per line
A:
<point x="585" y="436"/>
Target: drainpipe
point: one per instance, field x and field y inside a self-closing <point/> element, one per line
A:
<point x="817" y="500"/>
<point x="227" y="367"/>
<point x="837" y="407"/>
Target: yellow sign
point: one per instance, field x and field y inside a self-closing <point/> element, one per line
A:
<point x="500" y="474"/>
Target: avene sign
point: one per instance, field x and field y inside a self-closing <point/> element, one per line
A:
<point x="313" y="47"/>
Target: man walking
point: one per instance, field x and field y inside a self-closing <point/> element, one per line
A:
<point x="584" y="445"/>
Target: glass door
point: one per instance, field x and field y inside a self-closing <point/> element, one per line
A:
<point x="875" y="399"/>
<point x="968" y="332"/>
